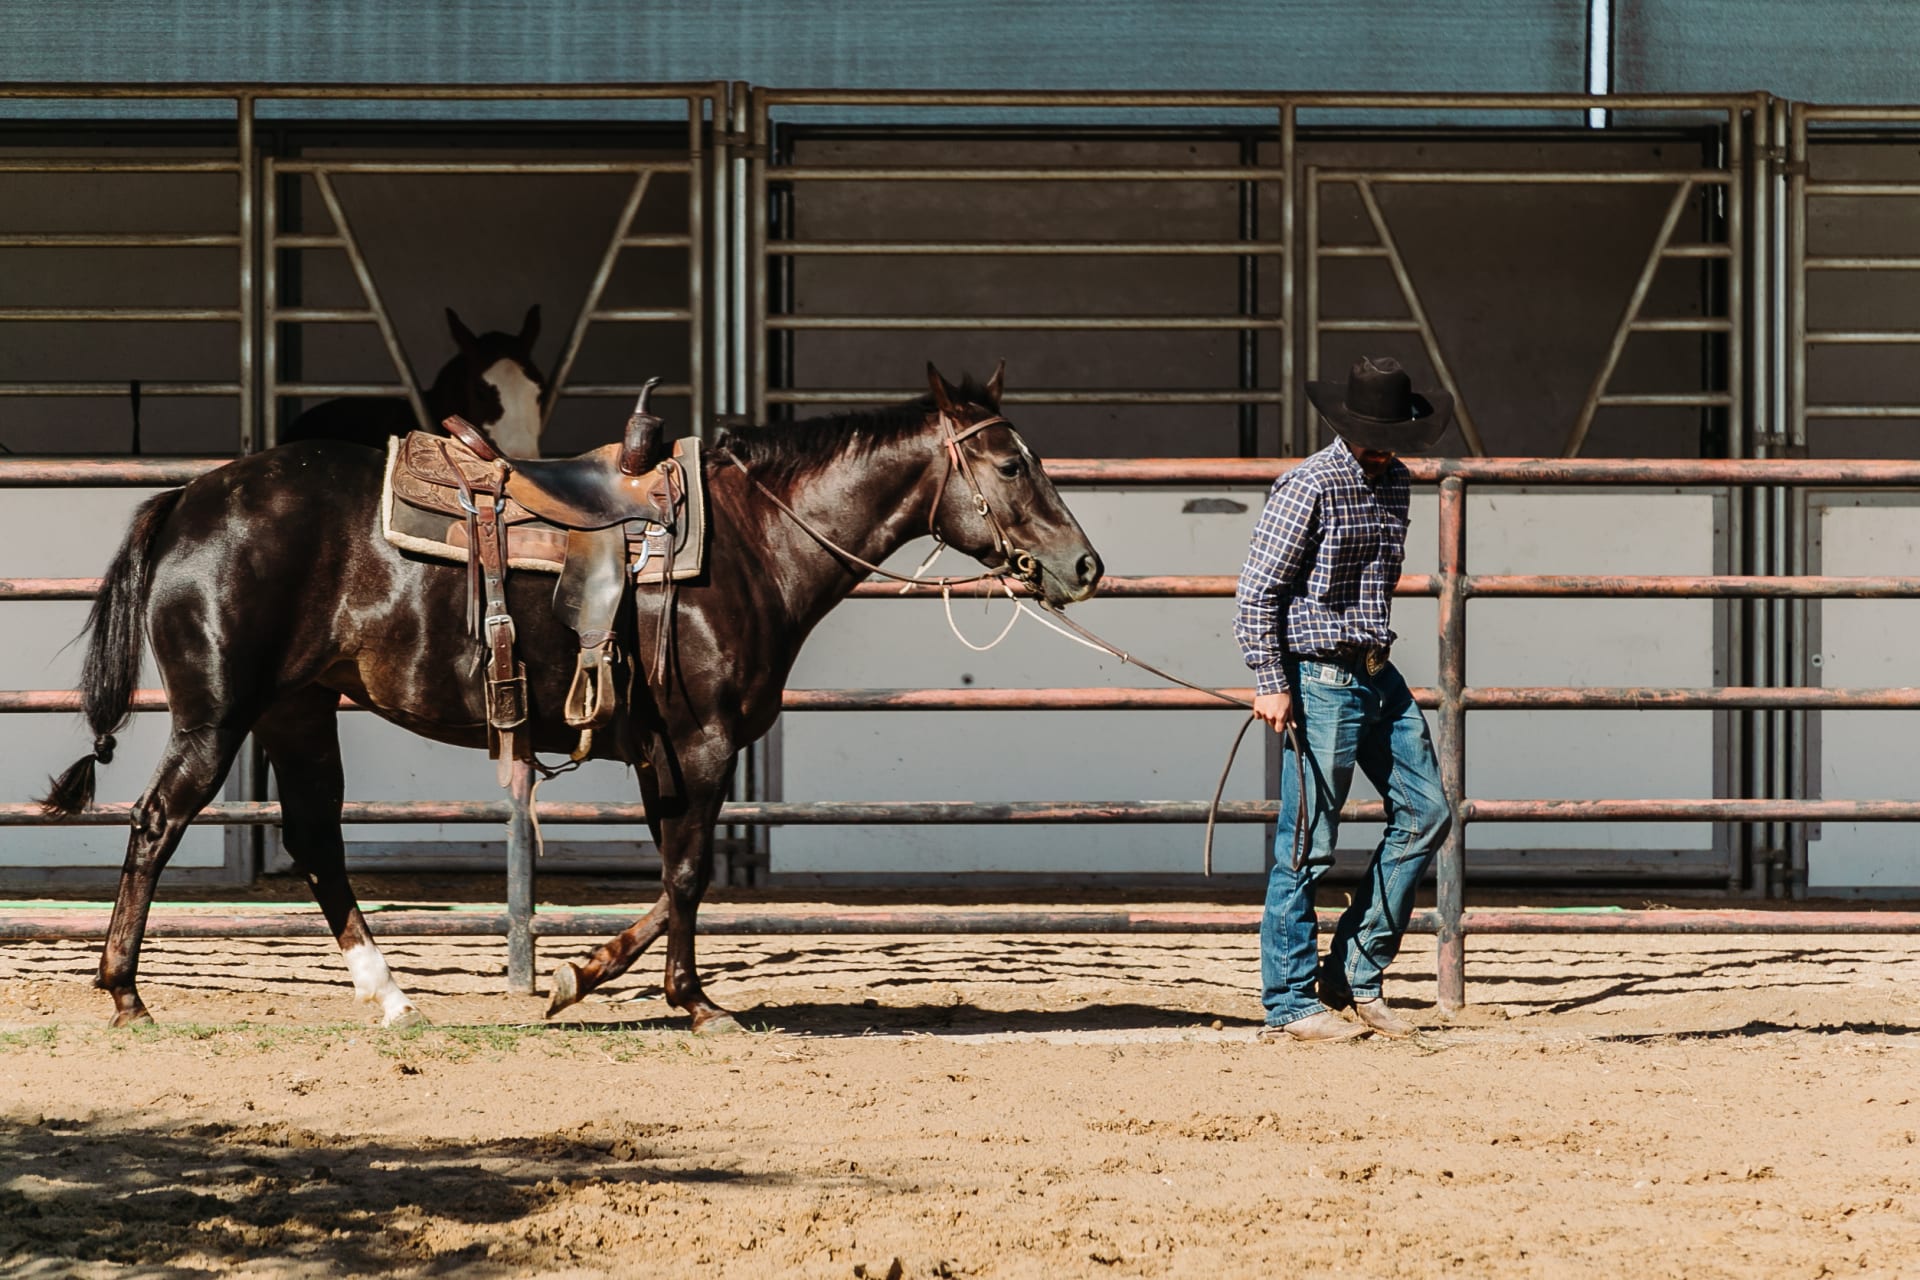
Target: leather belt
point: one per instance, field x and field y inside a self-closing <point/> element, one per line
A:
<point x="1370" y="659"/>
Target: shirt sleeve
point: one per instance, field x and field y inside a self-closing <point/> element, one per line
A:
<point x="1283" y="540"/>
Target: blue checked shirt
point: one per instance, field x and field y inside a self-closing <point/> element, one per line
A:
<point x="1322" y="567"/>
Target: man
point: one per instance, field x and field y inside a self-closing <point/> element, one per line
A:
<point x="1312" y="621"/>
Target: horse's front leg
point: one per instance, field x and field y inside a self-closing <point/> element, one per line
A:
<point x="686" y="852"/>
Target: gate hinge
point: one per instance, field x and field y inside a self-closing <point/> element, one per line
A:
<point x="741" y="145"/>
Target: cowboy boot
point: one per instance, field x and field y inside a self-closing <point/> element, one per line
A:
<point x="1377" y="1017"/>
<point x="1315" y="1028"/>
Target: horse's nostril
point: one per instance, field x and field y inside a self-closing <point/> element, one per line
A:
<point x="1088" y="567"/>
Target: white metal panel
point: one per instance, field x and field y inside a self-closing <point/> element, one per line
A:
<point x="1573" y="754"/>
<point x="1866" y="755"/>
<point x="1591" y="754"/>
<point x="1178" y="755"/>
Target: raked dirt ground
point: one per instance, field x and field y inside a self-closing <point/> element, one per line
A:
<point x="969" y="1106"/>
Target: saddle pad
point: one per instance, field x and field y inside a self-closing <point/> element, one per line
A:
<point x="420" y="512"/>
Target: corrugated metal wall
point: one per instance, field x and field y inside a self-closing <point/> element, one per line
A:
<point x="1402" y="45"/>
<point x="1807" y="50"/>
<point x="1856" y="50"/>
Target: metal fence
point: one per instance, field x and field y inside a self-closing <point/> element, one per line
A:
<point x="740" y="247"/>
<point x="259" y="241"/>
<point x="1452" y="583"/>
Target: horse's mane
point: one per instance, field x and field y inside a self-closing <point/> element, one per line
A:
<point x="788" y="450"/>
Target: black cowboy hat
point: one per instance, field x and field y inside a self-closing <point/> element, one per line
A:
<point x="1377" y="408"/>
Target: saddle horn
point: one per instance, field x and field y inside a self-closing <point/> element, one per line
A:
<point x="643" y="435"/>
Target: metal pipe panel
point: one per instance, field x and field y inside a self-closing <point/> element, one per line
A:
<point x="1022" y="173"/>
<point x="86" y="923"/>
<point x="1045" y="396"/>
<point x="1450" y="866"/>
<point x="119" y="240"/>
<point x="1024" y="248"/>
<point x="1151" y="323"/>
<point x="157" y="315"/>
<point x="113" y="390"/>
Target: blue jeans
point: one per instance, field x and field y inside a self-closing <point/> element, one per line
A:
<point x="1349" y="718"/>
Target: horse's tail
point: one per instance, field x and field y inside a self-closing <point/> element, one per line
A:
<point x="112" y="667"/>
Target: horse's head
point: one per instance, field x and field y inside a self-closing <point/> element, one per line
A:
<point x="493" y="383"/>
<point x="995" y="501"/>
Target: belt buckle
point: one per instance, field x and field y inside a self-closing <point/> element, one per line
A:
<point x="1375" y="659"/>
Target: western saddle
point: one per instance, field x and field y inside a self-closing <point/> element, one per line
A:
<point x="596" y="517"/>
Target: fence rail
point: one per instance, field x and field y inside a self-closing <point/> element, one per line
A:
<point x="1452" y="698"/>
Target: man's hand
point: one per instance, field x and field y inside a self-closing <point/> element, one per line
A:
<point x="1276" y="709"/>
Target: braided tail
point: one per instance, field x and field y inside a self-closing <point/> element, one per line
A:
<point x="112" y="666"/>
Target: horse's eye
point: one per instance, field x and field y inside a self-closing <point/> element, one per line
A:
<point x="1013" y="468"/>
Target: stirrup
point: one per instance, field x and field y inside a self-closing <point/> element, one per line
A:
<point x="590" y="701"/>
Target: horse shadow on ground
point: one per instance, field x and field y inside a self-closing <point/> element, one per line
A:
<point x="128" y="1194"/>
<point x="829" y="1018"/>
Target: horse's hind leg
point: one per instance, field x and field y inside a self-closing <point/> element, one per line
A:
<point x="609" y="960"/>
<point x="301" y="736"/>
<point x="192" y="766"/>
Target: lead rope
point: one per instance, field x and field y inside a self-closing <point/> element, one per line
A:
<point x="1080" y="635"/>
<point x="1077" y="632"/>
<point x="1074" y="632"/>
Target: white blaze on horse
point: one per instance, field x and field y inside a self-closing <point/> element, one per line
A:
<point x="492" y="382"/>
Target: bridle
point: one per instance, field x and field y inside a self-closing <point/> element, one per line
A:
<point x="1016" y="561"/>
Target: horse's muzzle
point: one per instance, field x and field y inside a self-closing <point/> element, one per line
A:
<point x="1071" y="587"/>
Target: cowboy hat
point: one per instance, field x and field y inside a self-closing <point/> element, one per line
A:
<point x="1377" y="408"/>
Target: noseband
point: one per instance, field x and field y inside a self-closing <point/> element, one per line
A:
<point x="1019" y="562"/>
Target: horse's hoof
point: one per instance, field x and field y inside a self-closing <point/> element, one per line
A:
<point x="717" y="1024"/>
<point x="566" y="988"/>
<point x="407" y="1017"/>
<point x="132" y="1018"/>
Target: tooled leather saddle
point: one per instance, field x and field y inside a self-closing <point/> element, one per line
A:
<point x="615" y="515"/>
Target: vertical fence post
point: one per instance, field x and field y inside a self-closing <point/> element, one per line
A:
<point x="1450" y="876"/>
<point x="521" y="843"/>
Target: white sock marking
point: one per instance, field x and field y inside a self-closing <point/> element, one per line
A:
<point x="373" y="981"/>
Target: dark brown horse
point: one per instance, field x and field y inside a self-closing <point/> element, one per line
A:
<point x="268" y="592"/>
<point x="491" y="381"/>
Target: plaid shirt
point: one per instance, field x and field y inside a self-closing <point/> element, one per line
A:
<point x="1322" y="567"/>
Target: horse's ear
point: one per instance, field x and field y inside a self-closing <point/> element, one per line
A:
<point x="994" y="383"/>
<point x="530" y="328"/>
<point x="943" y="392"/>
<point x="462" y="335"/>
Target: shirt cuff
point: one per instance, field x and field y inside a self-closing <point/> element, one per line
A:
<point x="1271" y="679"/>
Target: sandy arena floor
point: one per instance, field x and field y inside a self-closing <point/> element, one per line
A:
<point x="969" y="1106"/>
